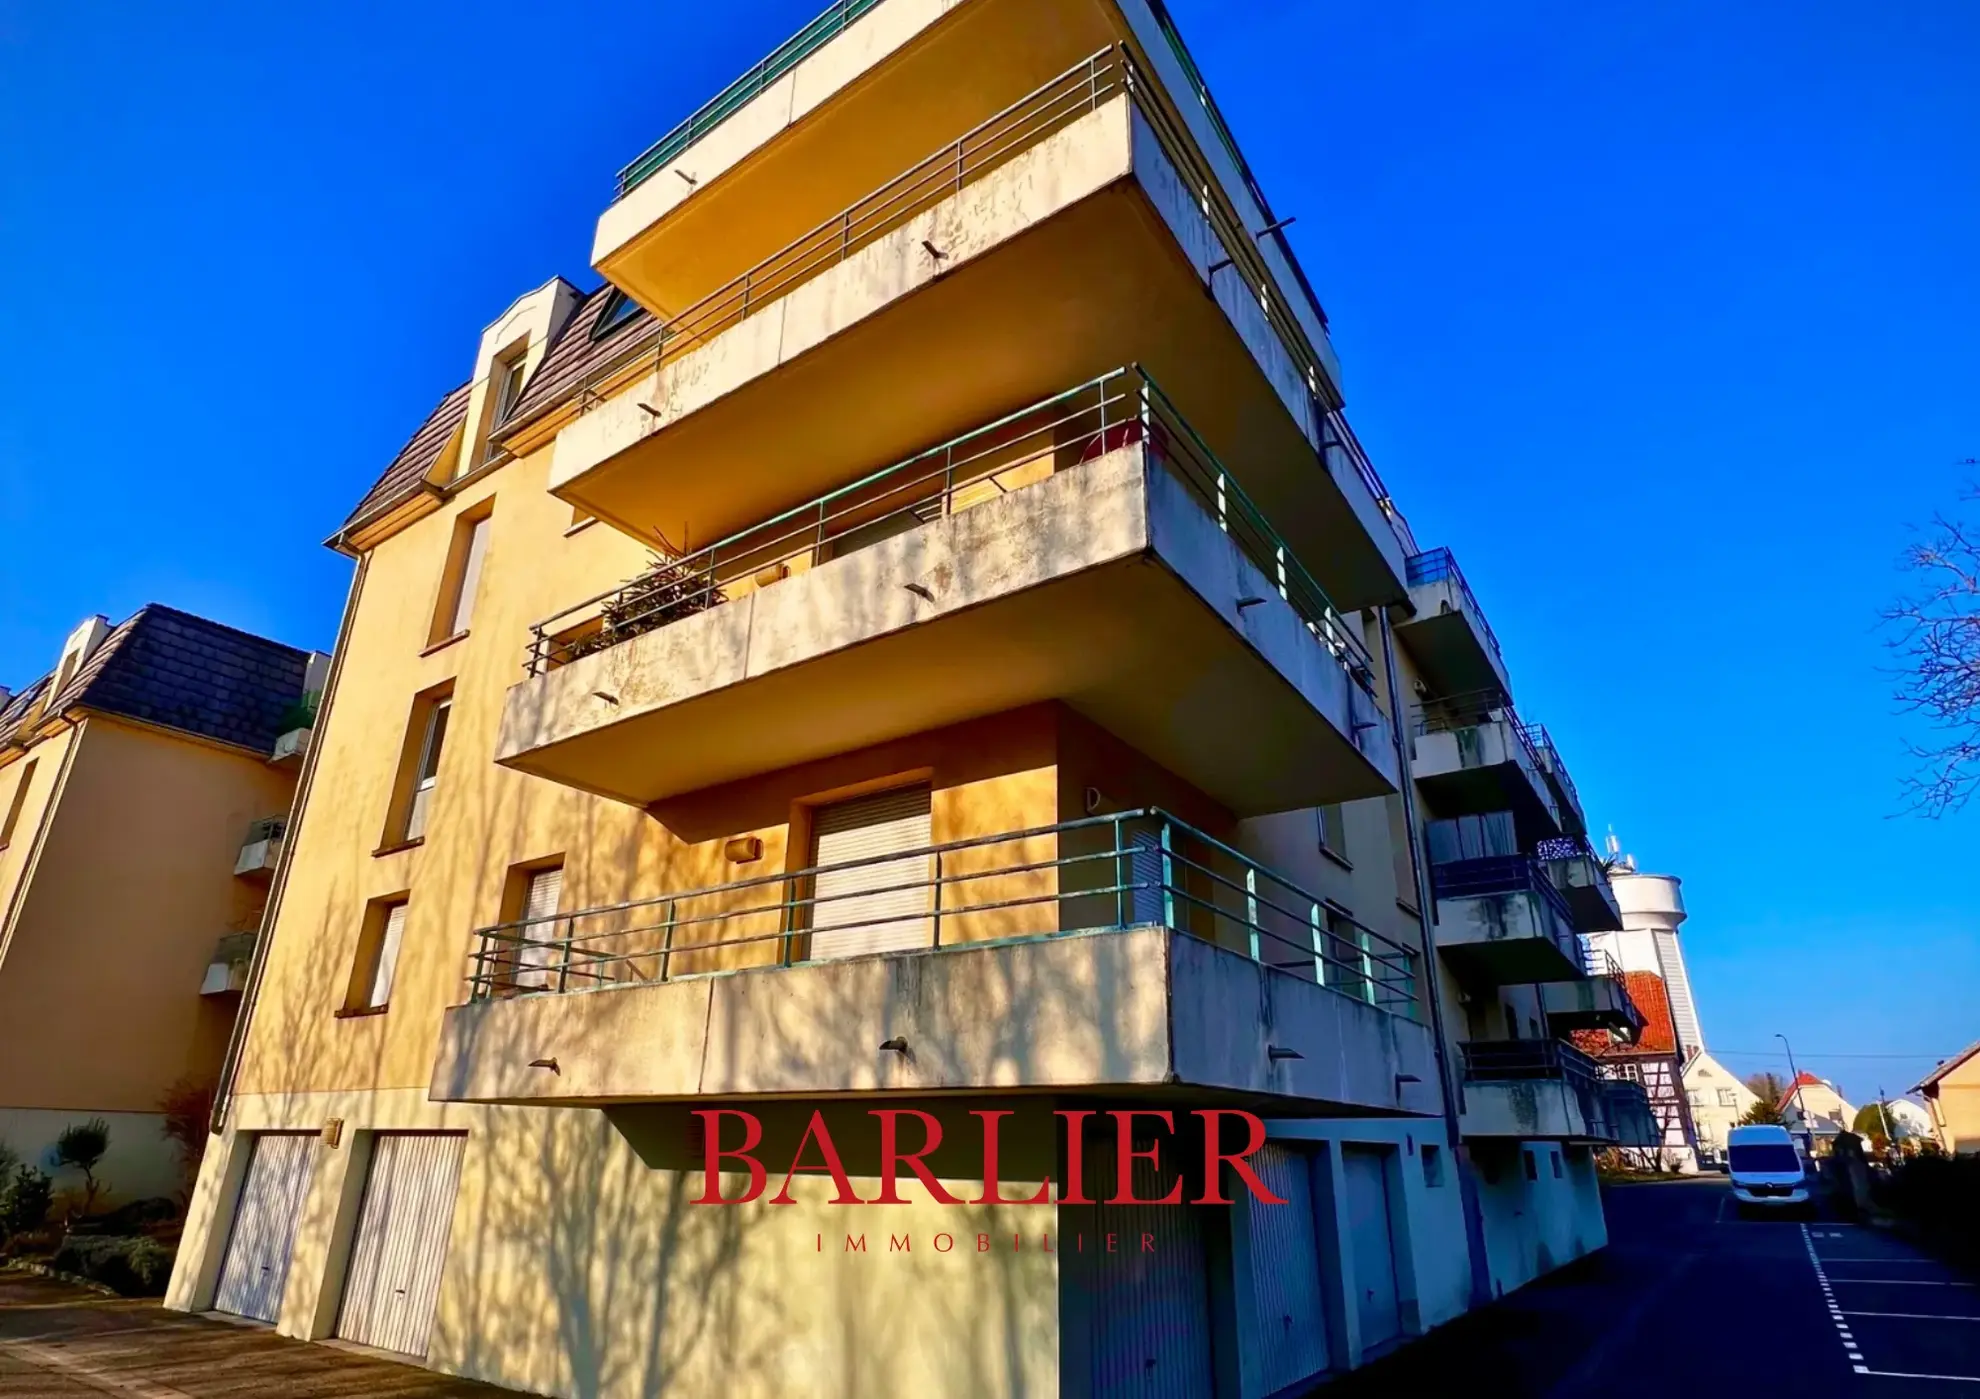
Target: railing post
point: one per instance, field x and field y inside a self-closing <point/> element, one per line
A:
<point x="667" y="943"/>
<point x="1319" y="947"/>
<point x="564" y="967"/>
<point x="938" y="900"/>
<point x="1168" y="876"/>
<point x="1123" y="871"/>
<point x="1251" y="909"/>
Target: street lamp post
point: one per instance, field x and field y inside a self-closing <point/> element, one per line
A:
<point x="1801" y="1103"/>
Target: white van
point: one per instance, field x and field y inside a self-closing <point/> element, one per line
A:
<point x="1767" y="1170"/>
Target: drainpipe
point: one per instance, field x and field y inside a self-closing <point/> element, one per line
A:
<point x="1474" y="1223"/>
<point x="230" y="1065"/>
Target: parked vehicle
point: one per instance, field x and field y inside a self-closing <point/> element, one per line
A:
<point x="1767" y="1170"/>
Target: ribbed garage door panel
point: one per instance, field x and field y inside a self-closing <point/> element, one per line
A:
<point x="1285" y="1271"/>
<point x="884" y="906"/>
<point x="256" y="1267"/>
<point x="400" y="1246"/>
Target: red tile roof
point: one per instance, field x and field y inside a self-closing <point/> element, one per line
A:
<point x="1802" y="1080"/>
<point x="1658" y="1037"/>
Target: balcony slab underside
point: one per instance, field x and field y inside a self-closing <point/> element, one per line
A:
<point x="1449" y="647"/>
<point x="1507" y="939"/>
<point x="1591" y="1003"/>
<point x="1080" y="255"/>
<point x="1544" y="1109"/>
<point x="1146" y="1011"/>
<point x="1589" y="895"/>
<point x="1105" y="586"/>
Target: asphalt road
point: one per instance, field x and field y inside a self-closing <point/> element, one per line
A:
<point x="1689" y="1301"/>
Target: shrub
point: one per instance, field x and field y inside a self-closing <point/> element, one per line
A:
<point x="187" y="1108"/>
<point x="24" y="1201"/>
<point x="135" y="1267"/>
<point x="81" y="1147"/>
<point x="1940" y="1195"/>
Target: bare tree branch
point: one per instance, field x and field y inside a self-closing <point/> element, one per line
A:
<point x="1935" y="637"/>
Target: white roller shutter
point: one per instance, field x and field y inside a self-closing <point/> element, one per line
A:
<point x="1372" y="1245"/>
<point x="400" y="1246"/>
<point x="877" y="907"/>
<point x="538" y="956"/>
<point x="256" y="1267"/>
<point x="1285" y="1271"/>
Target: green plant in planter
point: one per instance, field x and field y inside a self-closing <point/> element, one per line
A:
<point x="663" y="594"/>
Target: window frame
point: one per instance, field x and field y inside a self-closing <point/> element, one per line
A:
<point x="379" y="949"/>
<point x="17" y="803"/>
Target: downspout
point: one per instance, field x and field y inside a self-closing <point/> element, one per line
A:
<point x="230" y="1065"/>
<point x="1474" y="1223"/>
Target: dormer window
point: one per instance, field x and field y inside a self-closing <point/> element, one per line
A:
<point x="507" y="375"/>
<point x="619" y="309"/>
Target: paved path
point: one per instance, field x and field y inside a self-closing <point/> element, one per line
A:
<point x="1690" y="1300"/>
<point x="63" y="1342"/>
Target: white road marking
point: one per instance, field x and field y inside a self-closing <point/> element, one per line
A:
<point x="1850" y="1349"/>
<point x="1921" y="1262"/>
<point x="1906" y="1282"/>
<point x="1903" y="1375"/>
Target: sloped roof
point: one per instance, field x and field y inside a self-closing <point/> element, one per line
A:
<point x="1657" y="1038"/>
<point x="1946" y="1067"/>
<point x="417" y="457"/>
<point x="170" y="668"/>
<point x="576" y="353"/>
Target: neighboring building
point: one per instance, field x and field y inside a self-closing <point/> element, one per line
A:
<point x="1909" y="1121"/>
<point x="1952" y="1097"/>
<point x="1813" y="1109"/>
<point x="1718" y="1101"/>
<point x="923" y="634"/>
<point x="1654" y="1060"/>
<point x="141" y="808"/>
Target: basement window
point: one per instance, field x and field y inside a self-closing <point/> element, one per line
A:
<point x="1532" y="1166"/>
<point x="1433" y="1165"/>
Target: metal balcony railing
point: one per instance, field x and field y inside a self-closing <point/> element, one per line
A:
<point x="1598" y="961"/>
<point x="1542" y="744"/>
<point x="1440" y="566"/>
<point x="737" y="94"/>
<point x="1098" y="875"/>
<point x="267" y="828"/>
<point x="1512" y="874"/>
<point x="1061" y="432"/>
<point x="1475" y="709"/>
<point x="1487" y="1061"/>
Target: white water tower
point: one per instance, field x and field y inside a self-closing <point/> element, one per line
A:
<point x="1652" y="909"/>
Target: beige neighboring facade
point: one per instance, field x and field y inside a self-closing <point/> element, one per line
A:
<point x="1815" y="1110"/>
<point x="132" y="777"/>
<point x="1952" y="1097"/>
<point x="1718" y="1099"/>
<point x="958" y="661"/>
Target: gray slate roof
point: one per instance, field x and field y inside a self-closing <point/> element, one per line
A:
<point x="178" y="671"/>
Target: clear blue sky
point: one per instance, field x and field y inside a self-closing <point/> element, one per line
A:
<point x="1666" y="318"/>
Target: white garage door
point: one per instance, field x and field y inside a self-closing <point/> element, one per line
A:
<point x="1147" y="1308"/>
<point x="1372" y="1245"/>
<point x="877" y="907"/>
<point x="1285" y="1271"/>
<point x="256" y="1266"/>
<point x="400" y="1245"/>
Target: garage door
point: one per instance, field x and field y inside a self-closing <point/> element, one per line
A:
<point x="256" y="1266"/>
<point x="1147" y="1309"/>
<point x="1371" y="1245"/>
<point x="1285" y="1271"/>
<point x="878" y="907"/>
<point x="400" y="1245"/>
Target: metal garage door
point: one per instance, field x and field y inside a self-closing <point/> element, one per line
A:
<point x="1148" y="1313"/>
<point x="256" y="1266"/>
<point x="401" y="1241"/>
<point x="878" y="907"/>
<point x="1285" y="1271"/>
<point x="1372" y="1246"/>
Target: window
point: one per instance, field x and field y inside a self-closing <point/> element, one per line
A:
<point x="461" y="577"/>
<point x="507" y="378"/>
<point x="540" y="947"/>
<point x="18" y="801"/>
<point x="378" y="956"/>
<point x="1728" y="1098"/>
<point x="1512" y="1023"/>
<point x="1555" y="1157"/>
<point x="620" y="309"/>
<point x="1333" y="830"/>
<point x="1532" y="1166"/>
<point x="427" y="775"/>
<point x="1694" y="1097"/>
<point x="1433" y="1165"/>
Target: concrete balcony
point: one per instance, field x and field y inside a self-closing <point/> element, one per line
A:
<point x="1566" y="799"/>
<point x="226" y="972"/>
<point x="1447" y="634"/>
<point x="1584" y="882"/>
<point x="1469" y="759"/>
<point x="262" y="850"/>
<point x="1088" y="549"/>
<point x="1501" y="922"/>
<point x="1071" y="237"/>
<point x="1598" y="1001"/>
<point x="1532" y="1090"/>
<point x="1124" y="953"/>
<point x="859" y="94"/>
<point x="1631" y="1122"/>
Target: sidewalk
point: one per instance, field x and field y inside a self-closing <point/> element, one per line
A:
<point x="64" y="1342"/>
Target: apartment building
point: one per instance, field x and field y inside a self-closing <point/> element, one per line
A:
<point x="921" y="637"/>
<point x="144" y="783"/>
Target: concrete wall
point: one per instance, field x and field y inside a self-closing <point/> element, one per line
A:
<point x="1533" y="1226"/>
